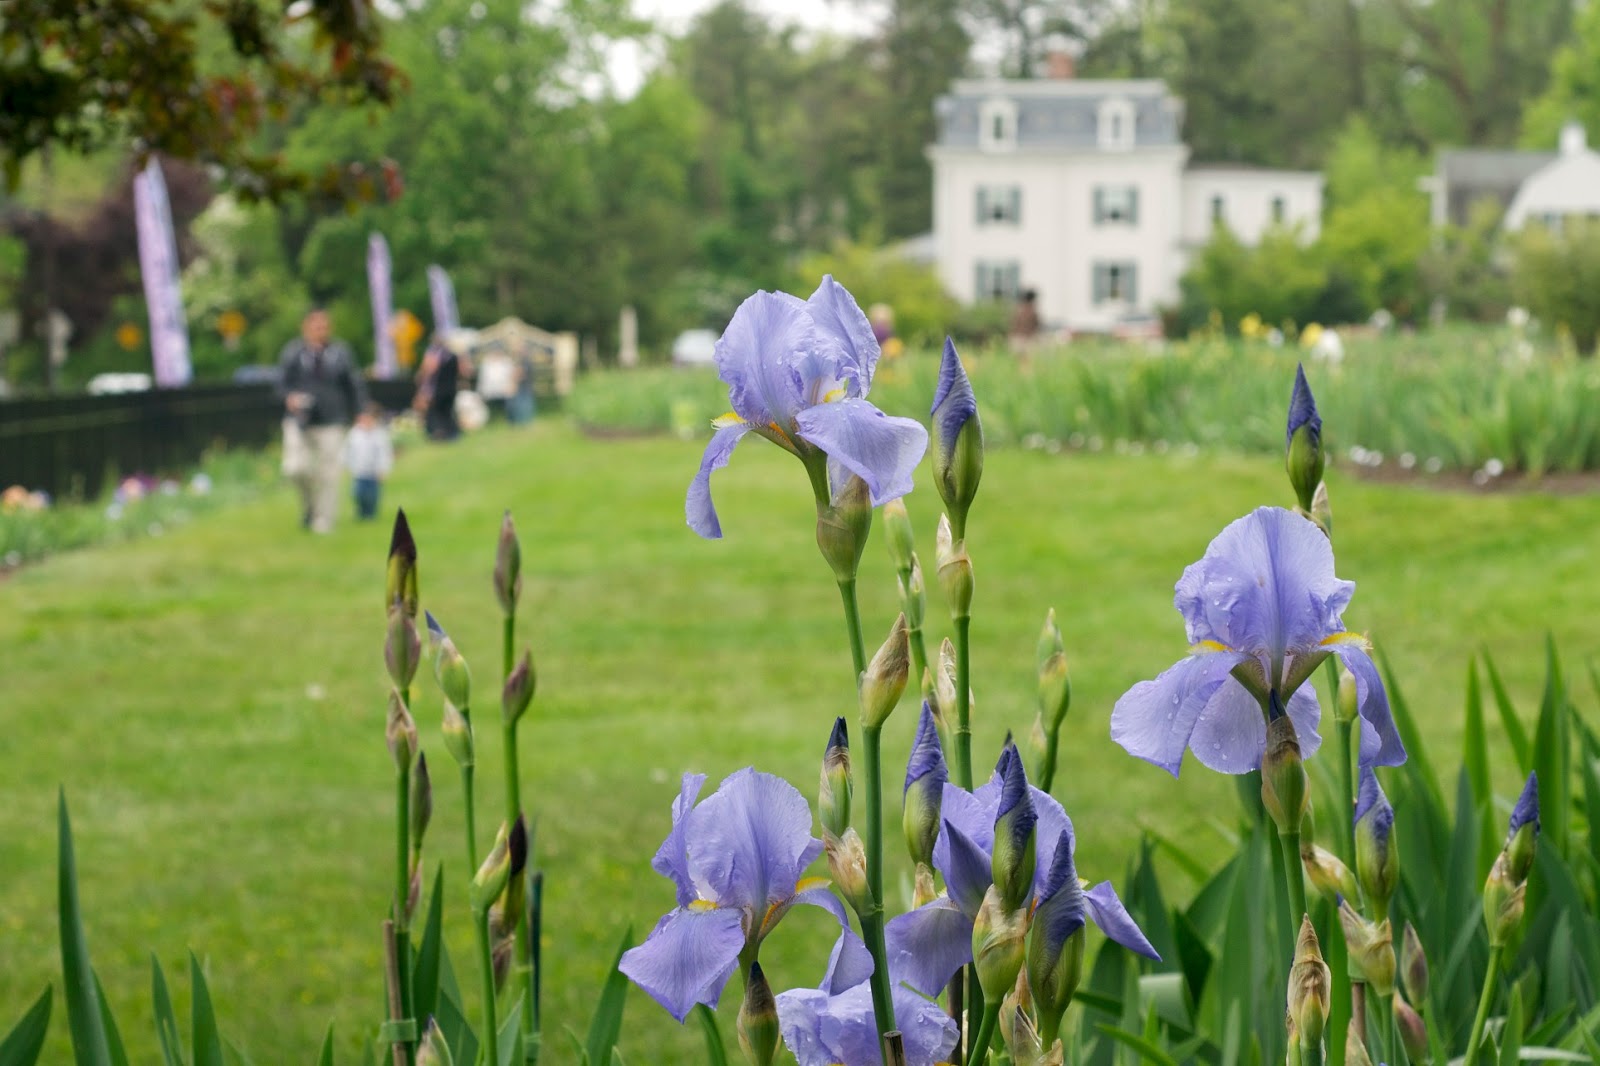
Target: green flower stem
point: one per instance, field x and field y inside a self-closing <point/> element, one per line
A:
<point x="1347" y="770"/>
<point x="1047" y="772"/>
<point x="1311" y="1054"/>
<point x="980" y="1046"/>
<point x="1294" y="877"/>
<point x="402" y="887"/>
<point x="1491" y="976"/>
<point x="963" y="729"/>
<point x="491" y="1027"/>
<point x="1049" y="1030"/>
<point x="852" y="621"/>
<point x="919" y="650"/>
<point x="882" y="1001"/>
<point x="472" y="821"/>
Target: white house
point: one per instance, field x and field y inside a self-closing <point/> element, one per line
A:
<point x="1543" y="187"/>
<point x="1082" y="192"/>
<point x="1567" y="186"/>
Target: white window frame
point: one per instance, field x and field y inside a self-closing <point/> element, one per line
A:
<point x="1009" y="273"/>
<point x="1116" y="124"/>
<point x="1120" y="274"/>
<point x="997" y="125"/>
<point x="999" y="205"/>
<point x="1109" y="212"/>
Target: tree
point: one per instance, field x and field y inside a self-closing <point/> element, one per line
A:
<point x="1574" y="89"/>
<point x="926" y="48"/>
<point x="1376" y="230"/>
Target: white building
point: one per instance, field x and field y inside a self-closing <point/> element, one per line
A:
<point x="1542" y="187"/>
<point x="1082" y="192"/>
<point x="1567" y="186"/>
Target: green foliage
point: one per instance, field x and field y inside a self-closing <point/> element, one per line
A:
<point x="1465" y="267"/>
<point x="1557" y="277"/>
<point x="1377" y="227"/>
<point x="22" y="1045"/>
<point x="922" y="308"/>
<point x="1282" y="280"/>
<point x="1574" y="89"/>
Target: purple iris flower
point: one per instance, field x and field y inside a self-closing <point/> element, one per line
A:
<point x="834" y="1025"/>
<point x="798" y="372"/>
<point x="928" y="945"/>
<point x="1527" y="809"/>
<point x="1303" y="410"/>
<point x="737" y="860"/>
<point x="1264" y="603"/>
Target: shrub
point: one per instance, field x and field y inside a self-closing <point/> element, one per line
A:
<point x="1557" y="277"/>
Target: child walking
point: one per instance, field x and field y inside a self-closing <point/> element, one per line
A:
<point x="369" y="455"/>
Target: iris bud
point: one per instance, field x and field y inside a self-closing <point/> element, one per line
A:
<point x="432" y="1050"/>
<point x="458" y="735"/>
<point x="902" y="542"/>
<point x="1413" y="1033"/>
<point x="401" y="733"/>
<point x="1055" y="687"/>
<point x="957" y="438"/>
<point x="492" y="875"/>
<point x="884" y="680"/>
<point x="842" y="527"/>
<point x="1346" y="710"/>
<point x="998" y="944"/>
<point x="402" y="647"/>
<point x="421" y="802"/>
<point x="923" y="796"/>
<point x="1013" y="861"/>
<point x="944" y="681"/>
<point x="1304" y="442"/>
<point x="1056" y="940"/>
<point x="913" y="596"/>
<point x="518" y="690"/>
<point x="1413" y="966"/>
<point x="847" y="864"/>
<point x="1377" y="858"/>
<point x="1355" y="1052"/>
<point x="1524" y="834"/>
<point x="1321" y="512"/>
<point x="1326" y="872"/>
<point x="1371" y="949"/>
<point x="1283" y="774"/>
<point x="1503" y="903"/>
<point x="923" y="891"/>
<point x="758" y="1019"/>
<point x="833" y="791"/>
<point x="1310" y="987"/>
<point x="449" y="666"/>
<point x="508" y="567"/>
<point x="955" y="570"/>
<point x="401" y="583"/>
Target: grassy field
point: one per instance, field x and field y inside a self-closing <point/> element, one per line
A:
<point x="213" y="700"/>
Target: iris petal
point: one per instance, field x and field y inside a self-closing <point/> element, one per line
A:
<point x="687" y="959"/>
<point x="1231" y="734"/>
<point x="750" y="841"/>
<point x="1380" y="740"/>
<point x="928" y="945"/>
<point x="672" y="858"/>
<point x="840" y="319"/>
<point x="1154" y="719"/>
<point x="698" y="508"/>
<point x="881" y="450"/>
<point x="759" y="353"/>
<point x="1115" y="921"/>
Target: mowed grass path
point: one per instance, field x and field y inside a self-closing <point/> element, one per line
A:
<point x="213" y="700"/>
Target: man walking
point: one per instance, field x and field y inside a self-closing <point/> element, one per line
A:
<point x="321" y="394"/>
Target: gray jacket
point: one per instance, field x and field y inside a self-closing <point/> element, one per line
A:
<point x="329" y="376"/>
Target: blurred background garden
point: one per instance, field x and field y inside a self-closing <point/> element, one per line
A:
<point x="206" y="683"/>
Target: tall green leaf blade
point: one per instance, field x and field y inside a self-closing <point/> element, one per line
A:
<point x="206" y="1038"/>
<point x="1418" y="768"/>
<point x="425" y="973"/>
<point x="716" y="1051"/>
<point x="22" y="1045"/>
<point x="89" y="1047"/>
<point x="510" y="1037"/>
<point x="1552" y="758"/>
<point x="325" y="1057"/>
<point x="1474" y="742"/>
<point x="1511" y="1031"/>
<point x="1146" y="1049"/>
<point x="119" y="1055"/>
<point x="606" y="1025"/>
<point x="166" y="1020"/>
<point x="1516" y="735"/>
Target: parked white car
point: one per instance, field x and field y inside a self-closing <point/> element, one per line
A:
<point x="695" y="347"/>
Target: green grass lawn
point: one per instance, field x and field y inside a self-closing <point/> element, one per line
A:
<point x="213" y="700"/>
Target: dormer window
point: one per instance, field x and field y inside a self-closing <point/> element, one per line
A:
<point x="1115" y="124"/>
<point x="997" y="125"/>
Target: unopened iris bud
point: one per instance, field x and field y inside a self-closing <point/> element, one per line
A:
<point x="1413" y="966"/>
<point x="1283" y="774"/>
<point x="449" y="667"/>
<point x="1371" y="949"/>
<point x="518" y="690"/>
<point x="458" y="735"/>
<point x="413" y="890"/>
<point x="1304" y="441"/>
<point x="944" y="681"/>
<point x="1055" y="941"/>
<point x="923" y="891"/>
<point x="500" y="959"/>
<point x="833" y="792"/>
<point x="758" y="1019"/>
<point x="1321" y="511"/>
<point x="1326" y="872"/>
<point x="913" y="596"/>
<point x="1413" y="1032"/>
<point x="1055" y="687"/>
<point x="1355" y="1052"/>
<point x="923" y="796"/>
<point x="401" y="583"/>
<point x="955" y="570"/>
<point x="402" y="647"/>
<point x="1038" y="747"/>
<point x="847" y="865"/>
<point x="884" y="680"/>
<point x="999" y="946"/>
<point x="843" y="525"/>
<point x="421" y="802"/>
<point x="902" y="542"/>
<point x="1504" y="901"/>
<point x="510" y="849"/>
<point x="1524" y="832"/>
<point x="1377" y="857"/>
<point x="432" y="1049"/>
<point x="1013" y="861"/>
<point x="401" y="733"/>
<point x="1349" y="698"/>
<point x="957" y="438"/>
<point x="1310" y="987"/>
<point x="508" y="567"/>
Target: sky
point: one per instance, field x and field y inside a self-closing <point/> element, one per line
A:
<point x="629" y="61"/>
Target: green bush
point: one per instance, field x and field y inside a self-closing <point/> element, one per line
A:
<point x="1557" y="277"/>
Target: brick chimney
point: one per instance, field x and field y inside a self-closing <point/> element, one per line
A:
<point x="1059" y="65"/>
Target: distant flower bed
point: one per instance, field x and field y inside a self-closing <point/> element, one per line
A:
<point x="1466" y="401"/>
<point x="33" y="525"/>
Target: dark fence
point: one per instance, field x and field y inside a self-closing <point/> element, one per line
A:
<point x="71" y="446"/>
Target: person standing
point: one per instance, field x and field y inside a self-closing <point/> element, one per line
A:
<point x="322" y="391"/>
<point x="370" y="456"/>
